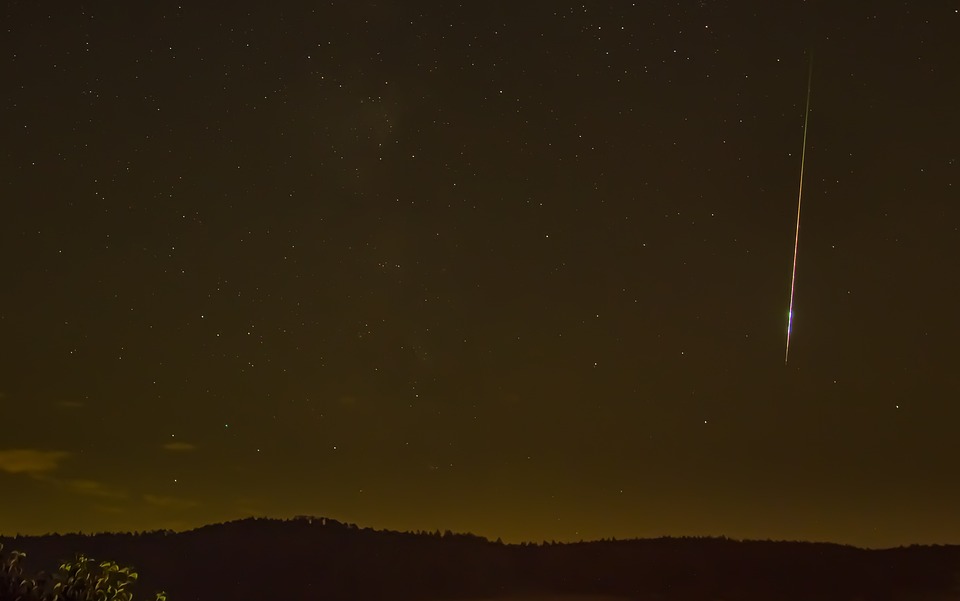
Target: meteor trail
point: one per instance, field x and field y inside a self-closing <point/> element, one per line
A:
<point x="796" y="240"/>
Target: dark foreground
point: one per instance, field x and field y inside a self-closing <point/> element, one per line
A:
<point x="254" y="560"/>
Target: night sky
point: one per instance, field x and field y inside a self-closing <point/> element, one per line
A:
<point x="514" y="268"/>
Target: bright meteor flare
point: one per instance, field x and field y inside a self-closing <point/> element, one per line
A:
<point x="796" y="240"/>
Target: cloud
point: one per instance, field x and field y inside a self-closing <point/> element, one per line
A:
<point x="170" y="502"/>
<point x="93" y="488"/>
<point x="39" y="465"/>
<point x="179" y="446"/>
<point x="30" y="461"/>
<point x="70" y="404"/>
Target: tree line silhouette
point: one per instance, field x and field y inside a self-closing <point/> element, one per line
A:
<point x="322" y="558"/>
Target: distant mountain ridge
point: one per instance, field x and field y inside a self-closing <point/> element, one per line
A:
<point x="321" y="558"/>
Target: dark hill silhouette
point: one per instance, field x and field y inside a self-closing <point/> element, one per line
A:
<point x="317" y="558"/>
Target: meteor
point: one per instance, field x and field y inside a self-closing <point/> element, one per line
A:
<point x="796" y="239"/>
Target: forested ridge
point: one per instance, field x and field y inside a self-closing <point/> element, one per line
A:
<point x="319" y="558"/>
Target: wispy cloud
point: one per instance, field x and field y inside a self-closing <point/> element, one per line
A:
<point x="70" y="404"/>
<point x="40" y="466"/>
<point x="93" y="488"/>
<point x="170" y="502"/>
<point x="30" y="461"/>
<point x="179" y="446"/>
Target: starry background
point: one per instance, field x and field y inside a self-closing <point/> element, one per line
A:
<point x="514" y="268"/>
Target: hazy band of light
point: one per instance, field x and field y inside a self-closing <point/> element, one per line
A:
<point x="796" y="240"/>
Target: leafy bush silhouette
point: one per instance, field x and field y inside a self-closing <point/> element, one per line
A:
<point x="13" y="585"/>
<point x="83" y="579"/>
